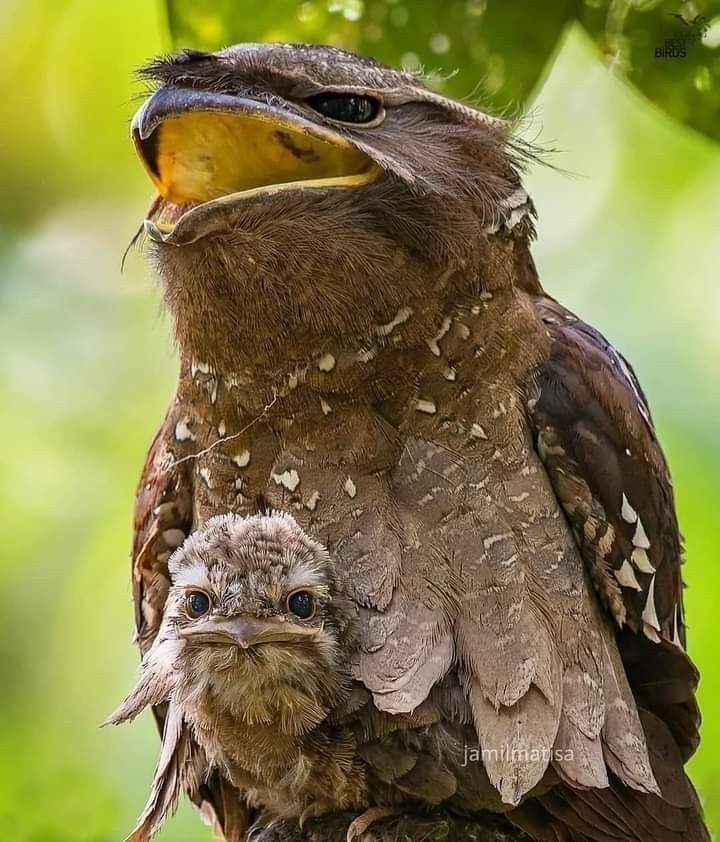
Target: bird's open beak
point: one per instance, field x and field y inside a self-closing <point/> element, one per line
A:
<point x="249" y="631"/>
<point x="204" y="151"/>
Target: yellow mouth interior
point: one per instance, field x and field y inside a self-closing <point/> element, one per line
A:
<point x="204" y="155"/>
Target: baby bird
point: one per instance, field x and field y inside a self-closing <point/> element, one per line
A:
<point x="251" y="660"/>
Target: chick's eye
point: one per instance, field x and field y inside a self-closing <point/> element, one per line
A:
<point x="197" y="604"/>
<point x="347" y="108"/>
<point x="301" y="604"/>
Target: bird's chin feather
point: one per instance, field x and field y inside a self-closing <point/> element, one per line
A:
<point x="156" y="682"/>
<point x="147" y="692"/>
<point x="291" y="686"/>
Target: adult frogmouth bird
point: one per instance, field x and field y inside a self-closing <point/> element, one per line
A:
<point x="364" y="342"/>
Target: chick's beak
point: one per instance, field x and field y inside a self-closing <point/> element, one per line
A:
<point x="246" y="632"/>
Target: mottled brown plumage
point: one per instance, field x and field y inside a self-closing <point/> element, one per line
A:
<point x="364" y="342"/>
<point x="253" y="690"/>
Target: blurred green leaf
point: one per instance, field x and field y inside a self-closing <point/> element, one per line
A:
<point x="669" y="50"/>
<point x="67" y="100"/>
<point x="499" y="47"/>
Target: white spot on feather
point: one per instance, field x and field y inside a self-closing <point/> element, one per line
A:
<point x="426" y="405"/>
<point x="629" y="515"/>
<point x="326" y="362"/>
<point x="205" y="474"/>
<point x="289" y="479"/>
<point x="515" y="216"/>
<point x="197" y="366"/>
<point x="640" y="539"/>
<point x="242" y="459"/>
<point x="493" y="539"/>
<point x="433" y="343"/>
<point x="182" y="431"/>
<point x="402" y="315"/>
<point x="350" y="488"/>
<point x="221" y="429"/>
<point x="312" y="501"/>
<point x="478" y="432"/>
<point x="650" y="633"/>
<point x="640" y="559"/>
<point x="325" y="406"/>
<point x="649" y="613"/>
<point x="518" y="498"/>
<point x="626" y="576"/>
<point x="676" y="631"/>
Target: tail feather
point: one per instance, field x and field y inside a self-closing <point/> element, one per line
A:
<point x="621" y="812"/>
<point x="179" y="770"/>
<point x="664" y="680"/>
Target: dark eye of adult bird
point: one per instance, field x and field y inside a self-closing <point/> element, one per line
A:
<point x="347" y="108"/>
<point x="198" y="604"/>
<point x="301" y="604"/>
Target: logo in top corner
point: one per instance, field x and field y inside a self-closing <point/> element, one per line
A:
<point x="691" y="32"/>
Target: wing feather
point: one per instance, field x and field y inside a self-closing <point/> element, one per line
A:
<point x="594" y="433"/>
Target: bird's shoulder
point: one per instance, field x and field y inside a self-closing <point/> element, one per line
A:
<point x="162" y="520"/>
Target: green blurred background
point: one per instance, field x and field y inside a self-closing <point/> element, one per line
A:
<point x="628" y="237"/>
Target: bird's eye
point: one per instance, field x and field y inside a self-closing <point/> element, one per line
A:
<point x="347" y="108"/>
<point x="301" y="604"/>
<point x="197" y="604"/>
